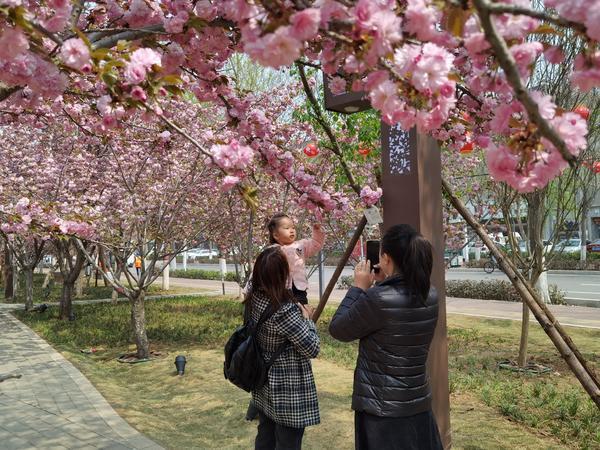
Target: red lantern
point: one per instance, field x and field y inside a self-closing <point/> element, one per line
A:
<point x="311" y="150"/>
<point x="583" y="111"/>
<point x="467" y="148"/>
<point x="364" y="150"/>
<point x="596" y="167"/>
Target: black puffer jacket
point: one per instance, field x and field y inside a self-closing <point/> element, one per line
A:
<point x="395" y="332"/>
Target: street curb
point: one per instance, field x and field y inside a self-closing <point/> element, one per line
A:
<point x="558" y="272"/>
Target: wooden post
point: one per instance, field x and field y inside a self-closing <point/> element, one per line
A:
<point x="412" y="194"/>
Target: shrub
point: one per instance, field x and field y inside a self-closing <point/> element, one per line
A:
<point x="495" y="290"/>
<point x="199" y="274"/>
<point x="345" y="282"/>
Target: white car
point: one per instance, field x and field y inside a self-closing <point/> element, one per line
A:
<point x="569" y="246"/>
<point x="202" y="253"/>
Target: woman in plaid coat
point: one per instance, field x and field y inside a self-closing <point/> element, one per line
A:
<point x="287" y="403"/>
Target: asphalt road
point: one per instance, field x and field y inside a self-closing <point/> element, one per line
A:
<point x="581" y="287"/>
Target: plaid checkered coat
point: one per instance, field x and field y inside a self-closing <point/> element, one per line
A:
<point x="289" y="397"/>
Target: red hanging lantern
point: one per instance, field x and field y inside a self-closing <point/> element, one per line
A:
<point x="467" y="148"/>
<point x="311" y="150"/>
<point x="583" y="111"/>
<point x="364" y="150"/>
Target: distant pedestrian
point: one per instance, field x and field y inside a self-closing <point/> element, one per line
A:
<point x="138" y="265"/>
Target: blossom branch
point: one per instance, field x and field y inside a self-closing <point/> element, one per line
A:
<point x="505" y="8"/>
<point x="335" y="146"/>
<point x="508" y="64"/>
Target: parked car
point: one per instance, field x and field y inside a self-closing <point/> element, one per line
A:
<point x="569" y="246"/>
<point x="201" y="253"/>
<point x="594" y="246"/>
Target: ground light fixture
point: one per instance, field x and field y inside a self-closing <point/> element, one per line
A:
<point x="180" y="364"/>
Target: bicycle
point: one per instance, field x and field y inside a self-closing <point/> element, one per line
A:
<point x="489" y="267"/>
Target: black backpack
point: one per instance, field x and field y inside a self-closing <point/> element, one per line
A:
<point x="244" y="363"/>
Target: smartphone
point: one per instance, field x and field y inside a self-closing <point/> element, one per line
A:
<point x="373" y="254"/>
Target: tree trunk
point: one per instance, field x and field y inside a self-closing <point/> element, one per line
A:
<point x="28" y="288"/>
<point x="66" y="305"/>
<point x="15" y="281"/>
<point x="138" y="324"/>
<point x="522" y="359"/>
<point x="535" y="225"/>
<point x="8" y="275"/>
<point x="79" y="285"/>
<point x="583" y="235"/>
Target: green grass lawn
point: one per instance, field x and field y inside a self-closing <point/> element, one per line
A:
<point x="491" y="408"/>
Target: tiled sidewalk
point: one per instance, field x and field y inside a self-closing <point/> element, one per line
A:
<point x="52" y="405"/>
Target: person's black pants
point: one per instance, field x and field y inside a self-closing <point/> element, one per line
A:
<point x="272" y="436"/>
<point x="418" y="432"/>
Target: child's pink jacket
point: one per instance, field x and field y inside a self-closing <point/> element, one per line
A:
<point x="296" y="254"/>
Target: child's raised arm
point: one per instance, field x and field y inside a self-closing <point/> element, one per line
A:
<point x="315" y="243"/>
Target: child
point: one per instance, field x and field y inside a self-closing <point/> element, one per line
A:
<point x="282" y="231"/>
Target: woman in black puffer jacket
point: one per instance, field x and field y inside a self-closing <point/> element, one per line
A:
<point x="395" y="321"/>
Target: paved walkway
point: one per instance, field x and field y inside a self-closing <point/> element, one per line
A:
<point x="52" y="405"/>
<point x="574" y="316"/>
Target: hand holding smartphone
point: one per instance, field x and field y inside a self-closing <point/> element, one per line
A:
<point x="373" y="254"/>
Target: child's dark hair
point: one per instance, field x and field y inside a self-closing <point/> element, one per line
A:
<point x="273" y="224"/>
<point x="270" y="276"/>
<point x="412" y="255"/>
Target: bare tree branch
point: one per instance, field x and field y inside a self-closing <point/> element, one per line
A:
<point x="335" y="146"/>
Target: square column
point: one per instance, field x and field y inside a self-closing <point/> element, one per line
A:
<point x="412" y="194"/>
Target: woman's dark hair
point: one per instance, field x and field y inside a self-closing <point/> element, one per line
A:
<point x="413" y="257"/>
<point x="273" y="224"/>
<point x="270" y="276"/>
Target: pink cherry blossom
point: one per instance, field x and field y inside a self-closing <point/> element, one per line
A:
<point x="370" y="196"/>
<point x="276" y="49"/>
<point x="501" y="163"/>
<point x="175" y="24"/>
<point x="573" y="129"/>
<point x="305" y="24"/>
<point x="137" y="93"/>
<point x="13" y="42"/>
<point x="421" y="19"/>
<point x="432" y="69"/>
<point x="75" y="54"/>
<point x="229" y="182"/>
<point x="337" y="85"/>
<point x="232" y="156"/>
<point x="145" y="57"/>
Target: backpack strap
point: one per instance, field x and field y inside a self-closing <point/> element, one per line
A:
<point x="277" y="353"/>
<point x="266" y="315"/>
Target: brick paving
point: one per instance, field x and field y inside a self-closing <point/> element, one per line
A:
<point x="52" y="405"/>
